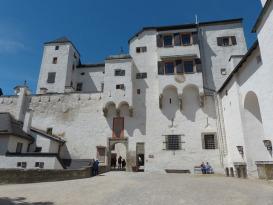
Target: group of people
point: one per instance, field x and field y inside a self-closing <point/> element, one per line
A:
<point x="206" y="168"/>
<point x="121" y="163"/>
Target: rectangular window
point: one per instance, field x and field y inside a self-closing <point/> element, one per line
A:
<point x="188" y="66"/>
<point x="57" y="48"/>
<point x="49" y="130"/>
<point x="101" y="154"/>
<point x="223" y="71"/>
<point x="168" y="40"/>
<point x="19" y="164"/>
<point x="173" y="142"/>
<point x="141" y="75"/>
<point x="210" y="141"/>
<point x="169" y="68"/>
<point x="186" y="39"/>
<point x="179" y="67"/>
<point x="79" y="87"/>
<point x="138" y="91"/>
<point x="120" y="87"/>
<point x="119" y="72"/>
<point x="19" y="147"/>
<point x="141" y="49"/>
<point x="226" y="41"/>
<point x="38" y="149"/>
<point x="55" y="60"/>
<point x="51" y="77"/>
<point x="39" y="164"/>
<point x="24" y="165"/>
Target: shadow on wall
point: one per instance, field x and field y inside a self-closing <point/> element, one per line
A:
<point x="21" y="201"/>
<point x="191" y="102"/>
<point x="170" y="102"/>
<point x="206" y="57"/>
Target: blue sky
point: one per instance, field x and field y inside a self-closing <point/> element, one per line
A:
<point x="97" y="28"/>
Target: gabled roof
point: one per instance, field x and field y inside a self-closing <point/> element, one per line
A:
<point x="187" y="26"/>
<point x="10" y="126"/>
<point x="261" y="16"/>
<point x="44" y="134"/>
<point x="240" y="64"/>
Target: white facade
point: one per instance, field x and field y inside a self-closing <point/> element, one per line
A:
<point x="160" y="101"/>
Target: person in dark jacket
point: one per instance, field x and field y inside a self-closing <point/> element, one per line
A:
<point x="95" y="167"/>
<point x="123" y="162"/>
<point x="119" y="162"/>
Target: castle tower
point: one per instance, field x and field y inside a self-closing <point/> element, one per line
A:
<point x="60" y="58"/>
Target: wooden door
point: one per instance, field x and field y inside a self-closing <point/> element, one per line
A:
<point x="118" y="127"/>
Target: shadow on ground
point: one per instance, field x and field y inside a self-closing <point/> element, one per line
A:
<point x="21" y="201"/>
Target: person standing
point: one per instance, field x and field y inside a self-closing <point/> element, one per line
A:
<point x="123" y="162"/>
<point x="96" y="168"/>
<point x="119" y="162"/>
<point x="203" y="168"/>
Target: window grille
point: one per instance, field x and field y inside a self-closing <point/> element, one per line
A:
<point x="173" y="142"/>
<point x="209" y="142"/>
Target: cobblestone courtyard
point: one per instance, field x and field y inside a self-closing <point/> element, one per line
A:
<point x="120" y="188"/>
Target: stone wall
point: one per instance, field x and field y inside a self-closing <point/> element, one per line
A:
<point x="14" y="176"/>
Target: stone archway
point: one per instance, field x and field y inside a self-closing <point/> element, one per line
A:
<point x="118" y="147"/>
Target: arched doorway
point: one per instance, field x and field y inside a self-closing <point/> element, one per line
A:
<point x="118" y="148"/>
<point x="253" y="132"/>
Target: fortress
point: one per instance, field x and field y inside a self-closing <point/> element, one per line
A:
<point x="184" y="95"/>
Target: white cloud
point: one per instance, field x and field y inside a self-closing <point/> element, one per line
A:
<point x="11" y="46"/>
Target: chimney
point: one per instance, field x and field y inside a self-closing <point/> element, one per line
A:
<point x="28" y="121"/>
<point x="22" y="103"/>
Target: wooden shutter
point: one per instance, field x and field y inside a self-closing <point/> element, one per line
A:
<point x="160" y="68"/>
<point x="159" y="40"/>
<point x="220" y="41"/>
<point x="177" y="39"/>
<point x="233" y="40"/>
<point x="179" y="67"/>
<point x="194" y="37"/>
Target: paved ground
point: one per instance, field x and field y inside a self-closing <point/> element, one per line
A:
<point x="120" y="188"/>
